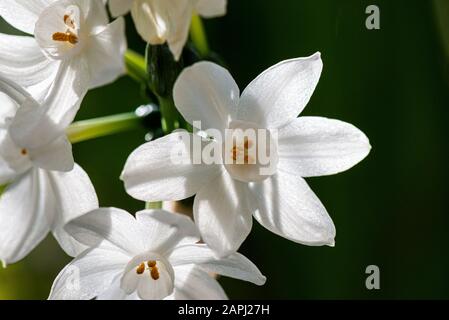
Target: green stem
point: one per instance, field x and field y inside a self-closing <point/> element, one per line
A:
<point x="100" y="127"/>
<point x="198" y="36"/>
<point x="153" y="205"/>
<point x="170" y="115"/>
<point x="136" y="66"/>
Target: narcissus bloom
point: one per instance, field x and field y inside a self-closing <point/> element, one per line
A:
<point x="73" y="49"/>
<point x="45" y="188"/>
<point x="152" y="256"/>
<point x="229" y="194"/>
<point x="160" y="21"/>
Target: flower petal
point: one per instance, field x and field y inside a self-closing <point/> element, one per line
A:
<point x="280" y="93"/>
<point x="211" y="8"/>
<point x="120" y="7"/>
<point x="314" y="146"/>
<point x="163" y="170"/>
<point x="24" y="221"/>
<point x="289" y="208"/>
<point x="23" y="14"/>
<point x="234" y="266"/>
<point x="223" y="214"/>
<point x="206" y="92"/>
<point x="89" y="275"/>
<point x="106" y="54"/>
<point x="108" y="225"/>
<point x="56" y="155"/>
<point x="164" y="230"/>
<point x="114" y="292"/>
<point x="193" y="283"/>
<point x="22" y="61"/>
<point x="74" y="195"/>
<point x="35" y="129"/>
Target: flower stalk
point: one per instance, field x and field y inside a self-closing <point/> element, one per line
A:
<point x="198" y="36"/>
<point x="100" y="127"/>
<point x="136" y="66"/>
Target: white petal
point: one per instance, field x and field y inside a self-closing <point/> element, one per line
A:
<point x="114" y="292"/>
<point x="34" y="129"/>
<point x="24" y="222"/>
<point x="193" y="283"/>
<point x="23" y="14"/>
<point x="280" y="93"/>
<point x="56" y="155"/>
<point x="95" y="13"/>
<point x="178" y="37"/>
<point x="206" y="92"/>
<point x="223" y="213"/>
<point x="74" y="195"/>
<point x="89" y="275"/>
<point x="163" y="170"/>
<point x="120" y="7"/>
<point x="289" y="208"/>
<point x="313" y="146"/>
<point x="164" y="230"/>
<point x="211" y="8"/>
<point x="22" y="61"/>
<point x="234" y="266"/>
<point x="155" y="19"/>
<point x="106" y="54"/>
<point x="108" y="225"/>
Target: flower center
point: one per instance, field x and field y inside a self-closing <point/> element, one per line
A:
<point x="250" y="152"/>
<point x="150" y="266"/>
<point x="58" y="30"/>
<point x="24" y="152"/>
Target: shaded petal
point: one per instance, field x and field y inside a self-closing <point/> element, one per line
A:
<point x="314" y="146"/>
<point x="163" y="230"/>
<point x="89" y="275"/>
<point x="211" y="8"/>
<point x="56" y="155"/>
<point x="223" y="213"/>
<point x="22" y="61"/>
<point x="206" y="92"/>
<point x="234" y="266"/>
<point x="280" y="93"/>
<point x="193" y="283"/>
<point x="74" y="195"/>
<point x="289" y="208"/>
<point x="163" y="170"/>
<point x="120" y="7"/>
<point x="24" y="222"/>
<point x="106" y="54"/>
<point x="114" y="292"/>
<point x="23" y="14"/>
<point x="116" y="227"/>
<point x="35" y="129"/>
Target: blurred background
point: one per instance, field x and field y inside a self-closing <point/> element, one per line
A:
<point x="390" y="211"/>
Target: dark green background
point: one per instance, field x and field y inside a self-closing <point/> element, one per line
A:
<point x="390" y="211"/>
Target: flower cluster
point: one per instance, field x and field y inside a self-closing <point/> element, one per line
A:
<point x="247" y="155"/>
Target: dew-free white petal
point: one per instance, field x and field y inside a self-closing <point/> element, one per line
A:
<point x="288" y="207"/>
<point x="315" y="146"/>
<point x="280" y="93"/>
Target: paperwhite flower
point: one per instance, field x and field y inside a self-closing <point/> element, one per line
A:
<point x="152" y="256"/>
<point x="228" y="195"/>
<point x="73" y="49"/>
<point x="160" y="21"/>
<point x="45" y="189"/>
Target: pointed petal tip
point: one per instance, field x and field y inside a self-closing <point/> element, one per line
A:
<point x="331" y="243"/>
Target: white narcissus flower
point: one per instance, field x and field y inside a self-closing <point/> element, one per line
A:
<point x="73" y="49"/>
<point x="161" y="21"/>
<point x="153" y="256"/>
<point x="227" y="196"/>
<point x="45" y="188"/>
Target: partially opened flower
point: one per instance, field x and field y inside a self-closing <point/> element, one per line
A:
<point x="161" y="21"/>
<point x="152" y="256"/>
<point x="228" y="194"/>
<point x="73" y="49"/>
<point x="45" y="188"/>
